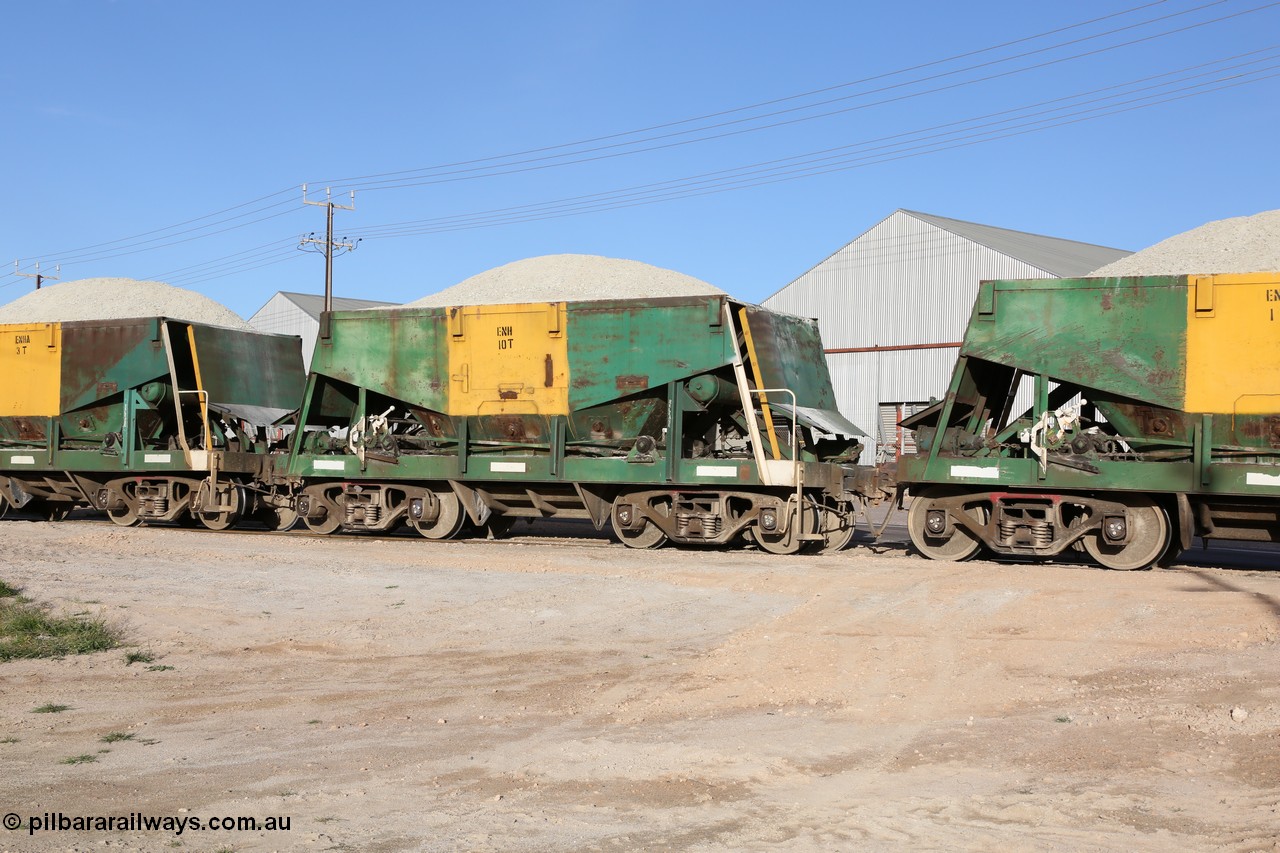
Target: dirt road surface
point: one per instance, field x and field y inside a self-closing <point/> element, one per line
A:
<point x="552" y="693"/>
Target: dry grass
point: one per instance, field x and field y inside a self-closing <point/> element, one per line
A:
<point x="30" y="630"/>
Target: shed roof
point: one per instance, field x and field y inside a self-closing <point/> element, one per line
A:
<point x="1054" y="255"/>
<point x="313" y="304"/>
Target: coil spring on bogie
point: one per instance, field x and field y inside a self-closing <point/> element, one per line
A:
<point x="154" y="507"/>
<point x="369" y="513"/>
<point x="1041" y="532"/>
<point x="709" y="525"/>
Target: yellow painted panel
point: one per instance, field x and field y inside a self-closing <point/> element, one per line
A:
<point x="1233" y="344"/>
<point x="508" y="359"/>
<point x="30" y="369"/>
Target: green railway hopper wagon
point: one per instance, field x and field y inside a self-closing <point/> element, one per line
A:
<point x="1154" y="417"/>
<point x="149" y="419"/>
<point x="694" y="419"/>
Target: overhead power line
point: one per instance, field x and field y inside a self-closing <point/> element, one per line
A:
<point x="286" y="248"/>
<point x="169" y="235"/>
<point x="78" y="252"/>
<point x="772" y="102"/>
<point x="1042" y="115"/>
<point x="594" y="155"/>
<point x="291" y="255"/>
<point x="274" y="245"/>
<point x="936" y="132"/>
<point x="261" y="209"/>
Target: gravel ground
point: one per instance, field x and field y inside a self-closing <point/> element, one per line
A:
<point x="568" y="278"/>
<point x="546" y="693"/>
<point x="117" y="299"/>
<point x="1239" y="245"/>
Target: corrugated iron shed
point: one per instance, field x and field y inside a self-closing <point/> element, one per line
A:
<point x="288" y="313"/>
<point x="893" y="303"/>
<point x="1057" y="257"/>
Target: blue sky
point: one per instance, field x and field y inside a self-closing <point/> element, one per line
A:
<point x="175" y="136"/>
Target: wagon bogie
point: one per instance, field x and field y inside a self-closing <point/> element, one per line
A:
<point x="1112" y="418"/>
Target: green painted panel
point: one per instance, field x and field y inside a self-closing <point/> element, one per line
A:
<point x="620" y="348"/>
<point x="580" y="470"/>
<point x="102" y="358"/>
<point x="96" y="462"/>
<point x="1245" y="479"/>
<point x="1124" y="336"/>
<point x="789" y="349"/>
<point x="399" y="353"/>
<point x="1025" y="474"/>
<point x="249" y="368"/>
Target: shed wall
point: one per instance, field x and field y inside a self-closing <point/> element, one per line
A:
<point x="903" y="283"/>
<point x="283" y="317"/>
<point x="864" y="380"/>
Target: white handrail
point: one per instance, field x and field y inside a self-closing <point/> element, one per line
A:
<point x="795" y="439"/>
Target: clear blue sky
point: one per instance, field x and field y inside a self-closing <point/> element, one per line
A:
<point x="127" y="119"/>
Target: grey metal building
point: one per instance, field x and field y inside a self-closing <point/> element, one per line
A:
<point x="893" y="305"/>
<point x="299" y="314"/>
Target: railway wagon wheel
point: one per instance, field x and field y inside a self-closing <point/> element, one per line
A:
<point x="448" y="522"/>
<point x="954" y="544"/>
<point x="4" y="506"/>
<point x="1148" y="537"/>
<point x="276" y="518"/>
<point x="787" y="543"/>
<point x="126" y="516"/>
<point x="837" y="529"/>
<point x="125" y="513"/>
<point x="327" y="523"/>
<point x="324" y="526"/>
<point x="187" y="520"/>
<point x="230" y="501"/>
<point x="791" y="542"/>
<point x="648" y="535"/>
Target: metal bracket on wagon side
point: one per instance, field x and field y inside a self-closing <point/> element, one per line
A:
<point x="14" y="493"/>
<point x="477" y="510"/>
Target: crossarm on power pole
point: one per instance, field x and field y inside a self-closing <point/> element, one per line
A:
<point x="328" y="246"/>
<point x="37" y="275"/>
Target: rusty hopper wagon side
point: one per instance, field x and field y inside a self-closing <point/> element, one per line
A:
<point x="149" y="419"/>
<point x="698" y="420"/>
<point x="1156" y="418"/>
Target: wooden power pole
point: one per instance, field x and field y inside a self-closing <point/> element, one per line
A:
<point x="328" y="246"/>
